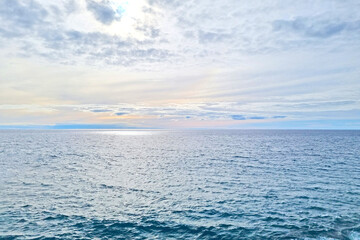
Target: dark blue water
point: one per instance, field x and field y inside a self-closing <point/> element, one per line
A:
<point x="179" y="185"/>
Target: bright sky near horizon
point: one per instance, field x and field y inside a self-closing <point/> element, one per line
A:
<point x="180" y="63"/>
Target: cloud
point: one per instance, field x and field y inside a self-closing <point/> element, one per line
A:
<point x="79" y="46"/>
<point x="100" y="110"/>
<point x="257" y="117"/>
<point x="207" y="37"/>
<point x="278" y="117"/>
<point x="235" y="32"/>
<point x="18" y="18"/>
<point x="23" y="14"/>
<point x="71" y="6"/>
<point x="146" y="116"/>
<point x="171" y="3"/>
<point x="316" y="28"/>
<point x="242" y="117"/>
<point x="238" y="117"/>
<point x="120" y="113"/>
<point x="149" y="31"/>
<point x="102" y="11"/>
<point x="43" y="30"/>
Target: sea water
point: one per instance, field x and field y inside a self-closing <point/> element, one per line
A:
<point x="158" y="184"/>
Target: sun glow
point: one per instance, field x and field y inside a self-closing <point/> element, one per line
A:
<point x="127" y="132"/>
<point x="120" y="7"/>
<point x="130" y="14"/>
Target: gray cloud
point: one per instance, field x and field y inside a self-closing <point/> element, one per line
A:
<point x="71" y="6"/>
<point x="206" y="37"/>
<point x="149" y="30"/>
<point x="316" y="105"/>
<point x="36" y="37"/>
<point x="36" y="32"/>
<point x="193" y="111"/>
<point x="19" y="18"/>
<point x="278" y="117"/>
<point x="257" y="117"/>
<point x="233" y="31"/>
<point x="316" y="28"/>
<point x="103" y="12"/>
<point x="23" y="14"/>
<point x="120" y="113"/>
<point x="238" y="117"/>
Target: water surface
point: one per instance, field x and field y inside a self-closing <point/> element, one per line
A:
<point x="220" y="184"/>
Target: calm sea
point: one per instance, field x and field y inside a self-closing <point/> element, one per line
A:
<point x="220" y="184"/>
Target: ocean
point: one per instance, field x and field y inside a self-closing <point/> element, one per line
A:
<point x="191" y="184"/>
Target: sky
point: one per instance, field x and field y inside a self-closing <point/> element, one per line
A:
<point x="180" y="64"/>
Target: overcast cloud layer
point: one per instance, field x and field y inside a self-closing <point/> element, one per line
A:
<point x="180" y="63"/>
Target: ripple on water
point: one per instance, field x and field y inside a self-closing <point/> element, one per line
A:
<point x="179" y="185"/>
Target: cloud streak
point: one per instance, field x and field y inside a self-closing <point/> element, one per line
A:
<point x="315" y="28"/>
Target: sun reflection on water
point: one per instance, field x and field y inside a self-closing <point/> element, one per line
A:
<point x="129" y="132"/>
